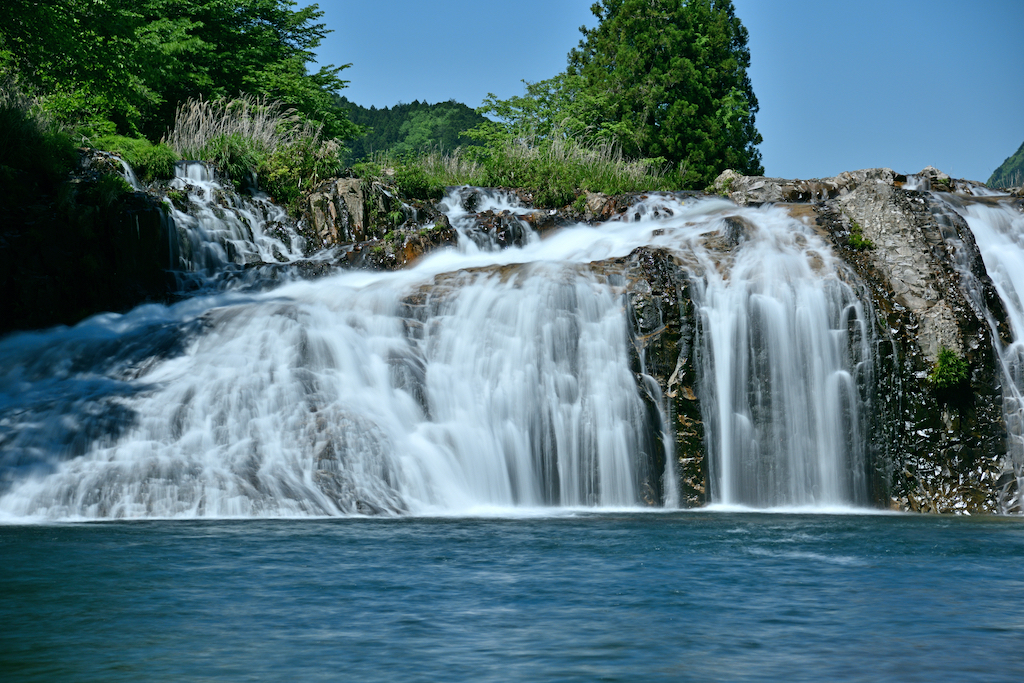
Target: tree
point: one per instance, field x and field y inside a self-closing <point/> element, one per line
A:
<point x="131" y="62"/>
<point x="668" y="78"/>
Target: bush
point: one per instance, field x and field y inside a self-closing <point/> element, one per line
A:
<point x="857" y="240"/>
<point x="950" y="370"/>
<point x="414" y="182"/>
<point x="149" y="161"/>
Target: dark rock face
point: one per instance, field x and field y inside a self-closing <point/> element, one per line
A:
<point x="661" y="315"/>
<point x="93" y="246"/>
<point x="400" y="247"/>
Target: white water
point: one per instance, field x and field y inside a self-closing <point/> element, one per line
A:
<point x="786" y="355"/>
<point x="222" y="227"/>
<point x="477" y="380"/>
<point x="999" y="233"/>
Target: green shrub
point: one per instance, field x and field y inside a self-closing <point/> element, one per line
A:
<point x="857" y="240"/>
<point x="149" y="161"/>
<point x="950" y="370"/>
<point x="34" y="151"/>
<point x="414" y="183"/>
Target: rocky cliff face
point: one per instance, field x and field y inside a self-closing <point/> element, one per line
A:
<point x="933" y="451"/>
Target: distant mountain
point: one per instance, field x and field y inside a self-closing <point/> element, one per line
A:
<point x="1011" y="172"/>
<point x="412" y="127"/>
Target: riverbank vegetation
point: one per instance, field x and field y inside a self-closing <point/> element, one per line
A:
<point x="655" y="97"/>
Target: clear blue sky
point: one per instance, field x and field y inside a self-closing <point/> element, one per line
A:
<point x="842" y="85"/>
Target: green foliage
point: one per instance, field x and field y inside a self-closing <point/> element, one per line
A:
<point x="413" y="181"/>
<point x="251" y="137"/>
<point x="107" y="190"/>
<point x="35" y="154"/>
<point x="580" y="205"/>
<point x="149" y="161"/>
<point x="560" y="104"/>
<point x="410" y="128"/>
<point x="557" y="169"/>
<point x="949" y="372"/>
<point x="106" y="66"/>
<point x="857" y="240"/>
<point x="1011" y="172"/>
<point x="657" y="79"/>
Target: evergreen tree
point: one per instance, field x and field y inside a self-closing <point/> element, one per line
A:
<point x="668" y="78"/>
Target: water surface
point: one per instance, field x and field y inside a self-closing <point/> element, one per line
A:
<point x="573" y="597"/>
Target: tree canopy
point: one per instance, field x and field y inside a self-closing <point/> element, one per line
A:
<point x="662" y="79"/>
<point x="131" y="62"/>
<point x="410" y="128"/>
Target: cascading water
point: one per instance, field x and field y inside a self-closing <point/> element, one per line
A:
<point x="786" y="358"/>
<point x="998" y="229"/>
<point x="475" y="379"/>
<point x="222" y="228"/>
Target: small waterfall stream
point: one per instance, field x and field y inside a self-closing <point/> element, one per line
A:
<point x="786" y="357"/>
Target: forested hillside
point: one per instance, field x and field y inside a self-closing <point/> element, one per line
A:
<point x="1011" y="172"/>
<point x="410" y="128"/>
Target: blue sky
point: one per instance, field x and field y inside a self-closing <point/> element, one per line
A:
<point x="841" y="85"/>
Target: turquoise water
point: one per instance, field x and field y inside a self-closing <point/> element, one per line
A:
<point x="591" y="597"/>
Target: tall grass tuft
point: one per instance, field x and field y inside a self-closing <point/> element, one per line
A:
<point x="264" y="125"/>
<point x="556" y="170"/>
<point x="253" y="136"/>
<point x="559" y="168"/>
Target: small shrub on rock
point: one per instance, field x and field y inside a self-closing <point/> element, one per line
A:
<point x="950" y="372"/>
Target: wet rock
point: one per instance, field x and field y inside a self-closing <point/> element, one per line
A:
<point x="399" y="248"/>
<point x="335" y="213"/>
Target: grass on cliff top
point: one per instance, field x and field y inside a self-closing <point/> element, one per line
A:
<point x="149" y="161"/>
<point x="252" y="137"/>
<point x="556" y="171"/>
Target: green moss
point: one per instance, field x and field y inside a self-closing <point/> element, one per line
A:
<point x="178" y="198"/>
<point x="950" y="370"/>
<point x="580" y="205"/>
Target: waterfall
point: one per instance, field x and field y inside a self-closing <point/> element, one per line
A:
<point x="217" y="227"/>
<point x="998" y="229"/>
<point x="477" y="379"/>
<point x="787" y="368"/>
